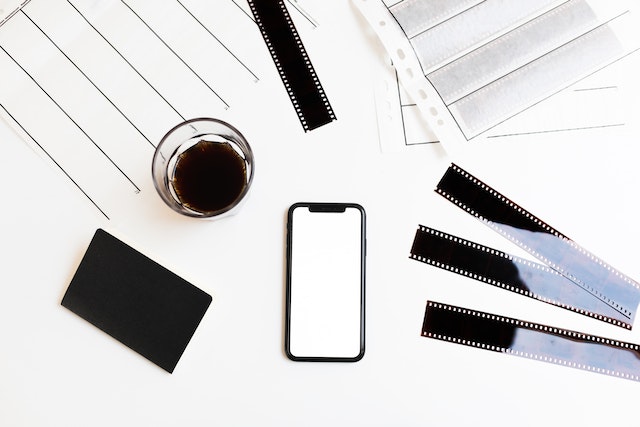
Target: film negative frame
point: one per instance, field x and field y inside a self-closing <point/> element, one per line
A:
<point x="509" y="272"/>
<point x="541" y="240"/>
<point x="531" y="340"/>
<point x="293" y="64"/>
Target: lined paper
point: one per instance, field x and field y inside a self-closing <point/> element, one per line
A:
<point x="94" y="86"/>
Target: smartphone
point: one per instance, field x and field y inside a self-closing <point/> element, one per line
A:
<point x="325" y="289"/>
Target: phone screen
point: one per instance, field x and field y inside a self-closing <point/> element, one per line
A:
<point x="325" y="282"/>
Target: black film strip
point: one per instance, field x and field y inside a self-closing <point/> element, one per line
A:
<point x="541" y="240"/>
<point x="509" y="272"/>
<point x="293" y="64"/>
<point x="531" y="340"/>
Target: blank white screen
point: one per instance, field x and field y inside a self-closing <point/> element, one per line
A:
<point x="325" y="287"/>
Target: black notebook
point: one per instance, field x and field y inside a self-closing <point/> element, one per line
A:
<point x="136" y="300"/>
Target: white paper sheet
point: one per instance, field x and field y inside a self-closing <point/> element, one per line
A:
<point x="94" y="85"/>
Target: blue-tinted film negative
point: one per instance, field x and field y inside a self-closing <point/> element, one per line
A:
<point x="541" y="240"/>
<point x="509" y="272"/>
<point x="531" y="340"/>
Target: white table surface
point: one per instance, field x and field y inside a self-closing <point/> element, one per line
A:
<point x="58" y="370"/>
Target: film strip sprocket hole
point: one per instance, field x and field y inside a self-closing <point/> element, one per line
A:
<point x="541" y="240"/>
<point x="293" y="63"/>
<point x="509" y="272"/>
<point x="531" y="340"/>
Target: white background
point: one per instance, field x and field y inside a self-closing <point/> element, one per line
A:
<point x="56" y="369"/>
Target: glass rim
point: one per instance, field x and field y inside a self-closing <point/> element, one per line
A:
<point x="176" y="205"/>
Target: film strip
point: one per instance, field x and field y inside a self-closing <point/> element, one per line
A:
<point x="509" y="272"/>
<point x="531" y="340"/>
<point x="539" y="239"/>
<point x="293" y="64"/>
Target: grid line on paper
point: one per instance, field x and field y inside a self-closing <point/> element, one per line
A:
<point x="219" y="41"/>
<point x="58" y="165"/>
<point x="243" y="11"/>
<point x="592" y="73"/>
<point x="88" y="79"/>
<point x="226" y="105"/>
<point x="595" y="88"/>
<point x="293" y="4"/>
<point x="402" y="122"/>
<point x="302" y="12"/>
<point x="538" y="132"/>
<point x="125" y="60"/>
<point x="13" y="13"/>
<point x="402" y="106"/>
<point x="137" y="189"/>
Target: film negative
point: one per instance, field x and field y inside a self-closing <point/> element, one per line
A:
<point x="293" y="64"/>
<point x="470" y="65"/>
<point x="509" y="272"/>
<point x="531" y="340"/>
<point x="541" y="240"/>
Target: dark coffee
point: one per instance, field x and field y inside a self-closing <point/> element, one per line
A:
<point x="209" y="177"/>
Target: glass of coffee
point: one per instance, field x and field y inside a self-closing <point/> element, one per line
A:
<point x="203" y="168"/>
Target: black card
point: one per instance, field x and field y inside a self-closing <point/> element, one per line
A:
<point x="135" y="300"/>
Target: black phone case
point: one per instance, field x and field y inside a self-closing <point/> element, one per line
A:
<point x="325" y="207"/>
<point x="136" y="300"/>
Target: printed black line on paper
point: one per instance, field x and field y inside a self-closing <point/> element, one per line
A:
<point x="55" y="162"/>
<point x="126" y="60"/>
<point x="226" y="105"/>
<point x="137" y="189"/>
<point x="88" y="79"/>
